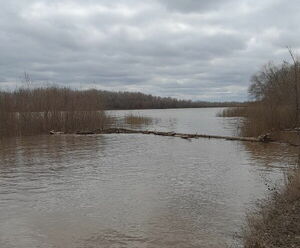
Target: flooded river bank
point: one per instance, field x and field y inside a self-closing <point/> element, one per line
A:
<point x="132" y="190"/>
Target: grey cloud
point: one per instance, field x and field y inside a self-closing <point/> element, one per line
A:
<point x="193" y="5"/>
<point x="188" y="49"/>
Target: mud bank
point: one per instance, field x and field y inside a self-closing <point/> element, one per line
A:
<point x="276" y="224"/>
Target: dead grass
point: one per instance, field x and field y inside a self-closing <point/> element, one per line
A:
<point x="137" y="120"/>
<point x="276" y="224"/>
<point x="261" y="118"/>
<point x="233" y="112"/>
<point x="37" y="111"/>
<point x="32" y="123"/>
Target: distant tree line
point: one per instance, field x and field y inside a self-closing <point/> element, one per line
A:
<point x="137" y="100"/>
<point x="63" y="99"/>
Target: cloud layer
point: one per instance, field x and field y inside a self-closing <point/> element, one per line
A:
<point x="202" y="50"/>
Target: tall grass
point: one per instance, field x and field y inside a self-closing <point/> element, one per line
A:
<point x="137" y="120"/>
<point x="261" y="118"/>
<point x="233" y="112"/>
<point x="37" y="111"/>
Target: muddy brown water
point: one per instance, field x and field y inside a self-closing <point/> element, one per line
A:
<point x="134" y="190"/>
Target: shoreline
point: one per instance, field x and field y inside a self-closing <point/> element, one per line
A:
<point x="276" y="223"/>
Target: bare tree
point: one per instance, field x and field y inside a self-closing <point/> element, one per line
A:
<point x="295" y="85"/>
<point x="27" y="80"/>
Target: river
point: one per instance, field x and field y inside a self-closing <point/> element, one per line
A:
<point x="134" y="190"/>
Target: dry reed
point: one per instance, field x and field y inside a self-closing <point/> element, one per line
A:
<point x="261" y="118"/>
<point x="37" y="111"/>
<point x="233" y="112"/>
<point x="137" y="120"/>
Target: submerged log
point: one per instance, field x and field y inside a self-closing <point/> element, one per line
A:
<point x="52" y="132"/>
<point x="85" y="132"/>
<point x="184" y="135"/>
<point x="263" y="138"/>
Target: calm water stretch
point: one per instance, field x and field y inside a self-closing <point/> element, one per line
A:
<point x="133" y="190"/>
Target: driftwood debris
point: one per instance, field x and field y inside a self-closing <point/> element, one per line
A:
<point x="264" y="138"/>
<point x="52" y="132"/>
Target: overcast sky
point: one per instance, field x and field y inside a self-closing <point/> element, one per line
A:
<point x="191" y="49"/>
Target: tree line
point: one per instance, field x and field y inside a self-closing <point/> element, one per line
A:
<point x="62" y="98"/>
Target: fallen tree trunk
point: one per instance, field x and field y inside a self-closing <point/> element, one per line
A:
<point x="264" y="138"/>
<point x="184" y="135"/>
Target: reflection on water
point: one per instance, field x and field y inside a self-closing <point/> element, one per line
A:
<point x="134" y="190"/>
<point x="272" y="155"/>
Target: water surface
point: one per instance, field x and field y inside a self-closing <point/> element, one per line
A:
<point x="134" y="190"/>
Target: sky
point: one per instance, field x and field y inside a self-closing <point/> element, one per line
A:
<point x="188" y="49"/>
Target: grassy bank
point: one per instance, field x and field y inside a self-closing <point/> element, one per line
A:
<point x="276" y="224"/>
